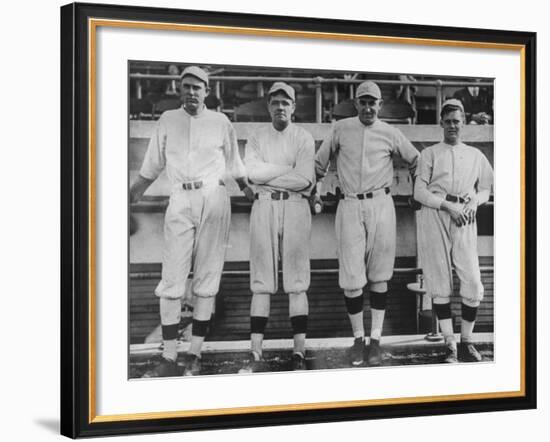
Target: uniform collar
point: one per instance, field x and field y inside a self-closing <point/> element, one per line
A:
<point x="376" y="123"/>
<point x="284" y="131"/>
<point x="456" y="146"/>
<point x="201" y="114"/>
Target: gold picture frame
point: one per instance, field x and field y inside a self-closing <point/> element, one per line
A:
<point x="79" y="176"/>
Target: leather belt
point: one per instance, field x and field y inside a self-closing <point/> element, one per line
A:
<point x="368" y="195"/>
<point x="194" y="185"/>
<point x="277" y="195"/>
<point x="455" y="199"/>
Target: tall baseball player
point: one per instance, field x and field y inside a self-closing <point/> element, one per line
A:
<point x="364" y="148"/>
<point x="279" y="161"/>
<point x="197" y="147"/>
<point x="453" y="179"/>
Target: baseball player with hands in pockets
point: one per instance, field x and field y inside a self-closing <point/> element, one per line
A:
<point x="196" y="147"/>
<point x="452" y="180"/>
<point x="279" y="160"/>
<point x="364" y="147"/>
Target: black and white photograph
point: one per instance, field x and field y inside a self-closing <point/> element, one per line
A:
<point x="276" y="221"/>
<point x="288" y="219"/>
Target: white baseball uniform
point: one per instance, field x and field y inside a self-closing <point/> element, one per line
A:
<point x="365" y="225"/>
<point x="280" y="161"/>
<point x="194" y="149"/>
<point x="460" y="171"/>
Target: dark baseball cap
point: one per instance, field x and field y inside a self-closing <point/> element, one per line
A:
<point x="281" y="86"/>
<point x="196" y="72"/>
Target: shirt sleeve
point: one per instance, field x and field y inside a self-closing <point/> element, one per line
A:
<point x="233" y="162"/>
<point x="260" y="171"/>
<point x="405" y="149"/>
<point x="301" y="177"/>
<point x="325" y="153"/>
<point x="155" y="156"/>
<point x="423" y="179"/>
<point x="485" y="180"/>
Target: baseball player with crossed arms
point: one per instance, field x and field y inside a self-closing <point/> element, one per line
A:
<point x="453" y="179"/>
<point x="364" y="147"/>
<point x="279" y="160"/>
<point x="197" y="147"/>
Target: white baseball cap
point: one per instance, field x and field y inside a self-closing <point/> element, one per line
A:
<point x="454" y="102"/>
<point x="196" y="72"/>
<point x="281" y="86"/>
<point x="369" y="88"/>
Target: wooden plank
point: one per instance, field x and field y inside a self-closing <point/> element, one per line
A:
<point x="327" y="309"/>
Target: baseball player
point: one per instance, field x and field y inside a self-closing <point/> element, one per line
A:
<point x="197" y="147"/>
<point x="363" y="147"/>
<point x="279" y="160"/>
<point x="453" y="179"/>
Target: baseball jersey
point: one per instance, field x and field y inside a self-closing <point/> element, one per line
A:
<point x="270" y="152"/>
<point x="459" y="170"/>
<point x="192" y="148"/>
<point x="364" y="154"/>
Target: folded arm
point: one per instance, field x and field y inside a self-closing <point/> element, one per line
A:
<point x="301" y="176"/>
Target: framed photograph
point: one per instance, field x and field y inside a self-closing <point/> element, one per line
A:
<point x="274" y="220"/>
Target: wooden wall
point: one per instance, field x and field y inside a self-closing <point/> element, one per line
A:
<point x="327" y="317"/>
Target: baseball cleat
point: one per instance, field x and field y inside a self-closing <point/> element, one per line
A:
<point x="192" y="365"/>
<point x="255" y="364"/>
<point x="374" y="352"/>
<point x="163" y="369"/>
<point x="357" y="351"/>
<point x="468" y="353"/>
<point x="451" y="353"/>
<point x="298" y="362"/>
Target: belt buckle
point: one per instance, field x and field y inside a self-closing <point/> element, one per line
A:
<point x="277" y="196"/>
<point x="197" y="184"/>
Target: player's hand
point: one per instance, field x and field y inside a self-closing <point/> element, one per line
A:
<point x="413" y="204"/>
<point x="315" y="204"/>
<point x="249" y="193"/>
<point x="470" y="210"/>
<point x="456" y="210"/>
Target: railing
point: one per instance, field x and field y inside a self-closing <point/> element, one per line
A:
<point x="439" y="85"/>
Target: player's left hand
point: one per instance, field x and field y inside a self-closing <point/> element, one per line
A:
<point x="470" y="210"/>
<point x="249" y="193"/>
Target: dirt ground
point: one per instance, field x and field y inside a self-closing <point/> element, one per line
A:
<point x="277" y="361"/>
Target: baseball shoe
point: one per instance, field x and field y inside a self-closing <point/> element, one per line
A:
<point x="374" y="357"/>
<point x="357" y="351"/>
<point x="254" y="364"/>
<point x="468" y="353"/>
<point x="192" y="365"/>
<point x="298" y="362"/>
<point x="163" y="368"/>
<point x="451" y="353"/>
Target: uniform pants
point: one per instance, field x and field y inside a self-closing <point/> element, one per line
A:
<point x="196" y="229"/>
<point x="279" y="229"/>
<point x="443" y="245"/>
<point x="365" y="231"/>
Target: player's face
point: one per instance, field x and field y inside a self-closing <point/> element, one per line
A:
<point x="193" y="93"/>
<point x="368" y="109"/>
<point x="452" y="123"/>
<point x="281" y="108"/>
